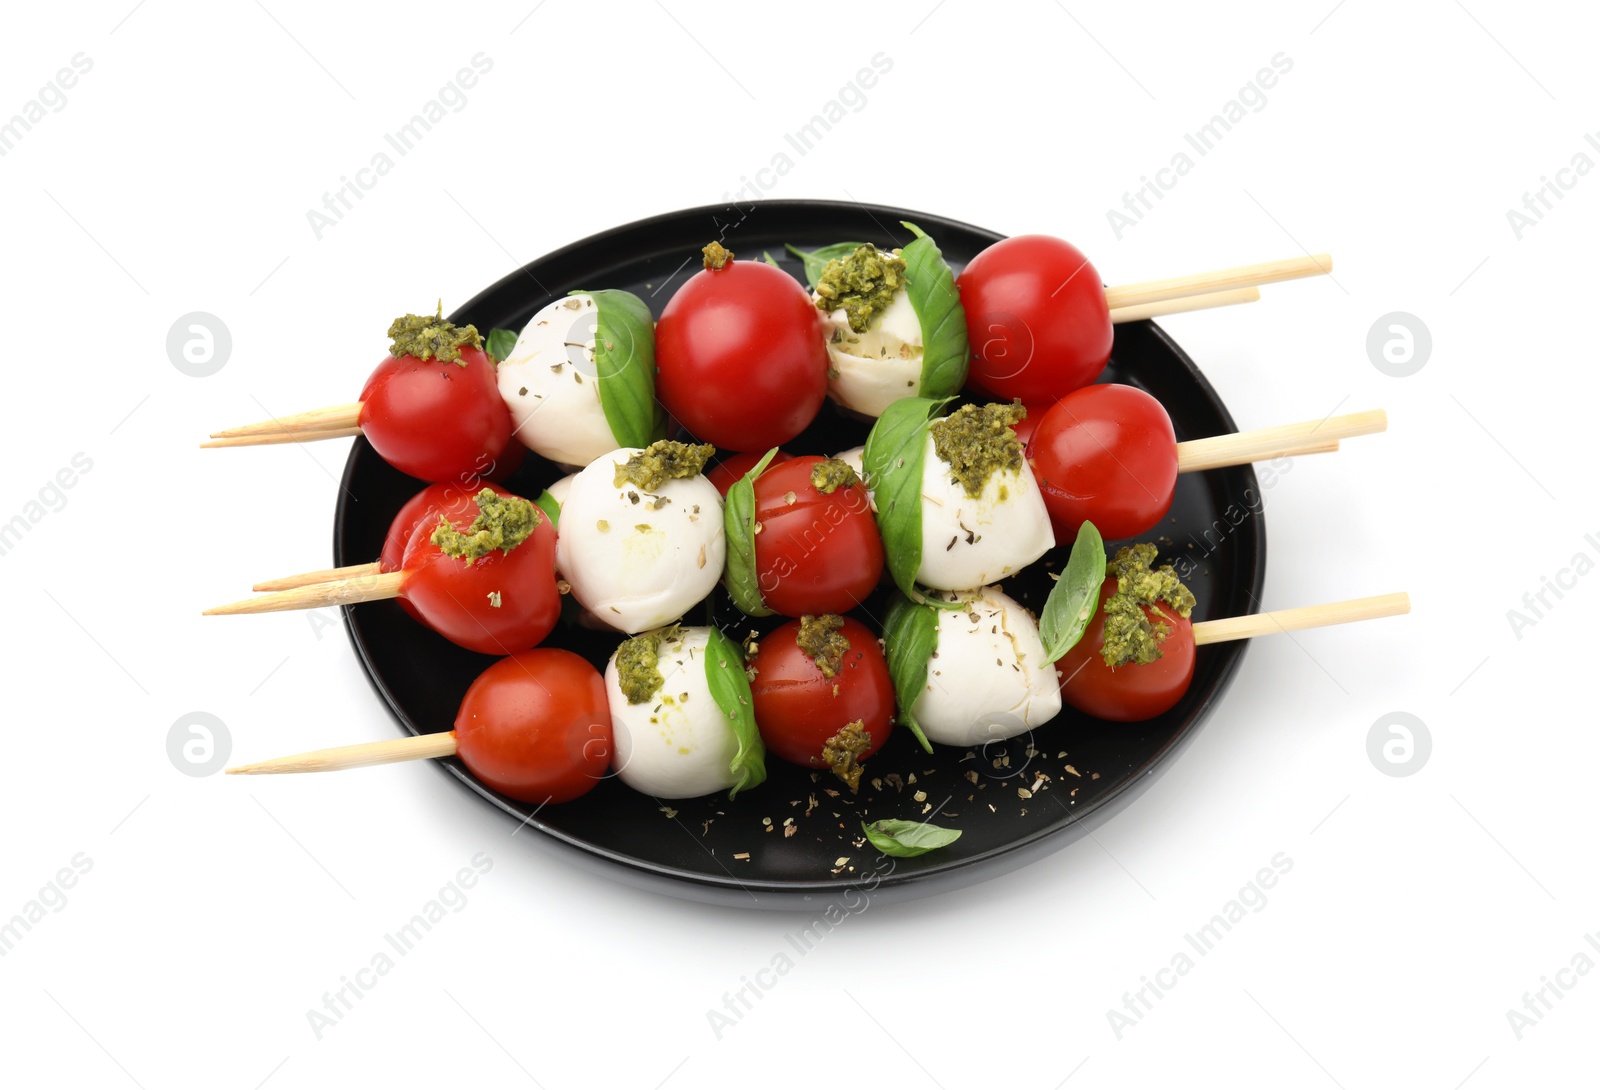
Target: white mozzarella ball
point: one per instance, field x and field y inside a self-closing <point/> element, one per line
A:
<point x="867" y="372"/>
<point x="852" y="458"/>
<point x="637" y="560"/>
<point x="548" y="382"/>
<point x="991" y="680"/>
<point x="558" y="491"/>
<point x="678" y="744"/>
<point x="971" y="542"/>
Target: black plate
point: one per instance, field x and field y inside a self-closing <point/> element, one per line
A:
<point x="628" y="836"/>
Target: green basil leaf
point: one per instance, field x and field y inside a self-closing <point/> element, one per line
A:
<point x="910" y="636"/>
<point x="908" y="839"/>
<point x="739" y="574"/>
<point x="625" y="365"/>
<point x="730" y="688"/>
<point x="770" y="260"/>
<point x="931" y="287"/>
<point x="817" y="260"/>
<point x="547" y="503"/>
<point x="499" y="343"/>
<point x="892" y="466"/>
<point x="1075" y="596"/>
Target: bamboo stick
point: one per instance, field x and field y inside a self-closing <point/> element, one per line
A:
<point x="1243" y="276"/>
<point x="341" y="592"/>
<point x="332" y="418"/>
<point x="1180" y="306"/>
<point x="281" y="437"/>
<point x="1290" y="620"/>
<point x="1265" y="443"/>
<point x="389" y="751"/>
<point x="326" y="575"/>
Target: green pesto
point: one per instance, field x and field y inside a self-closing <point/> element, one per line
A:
<point x="1130" y="636"/>
<point x="842" y="752"/>
<point x="661" y="462"/>
<point x="819" y="637"/>
<point x="638" y="672"/>
<point x="976" y="441"/>
<point x="503" y="523"/>
<point x="830" y="475"/>
<point x="716" y="255"/>
<point x="864" y="284"/>
<point x="426" y="338"/>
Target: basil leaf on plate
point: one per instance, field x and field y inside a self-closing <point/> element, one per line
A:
<point x="1075" y="596"/>
<point x="625" y="367"/>
<point x="730" y="688"/>
<point x="547" y="503"/>
<point x="908" y="839"/>
<point x="892" y="467"/>
<point x="770" y="260"/>
<point x="817" y="260"/>
<point x="931" y="287"/>
<point x="910" y="636"/>
<point x="499" y="343"/>
<point x="739" y="528"/>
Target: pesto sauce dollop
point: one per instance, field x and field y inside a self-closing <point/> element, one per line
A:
<point x="503" y="523"/>
<point x="819" y="637"/>
<point x="976" y="441"/>
<point x="1130" y="636"/>
<point x="638" y="669"/>
<point x="830" y="475"/>
<point x="661" y="462"/>
<point x="427" y="338"/>
<point x="842" y="752"/>
<point x="863" y="283"/>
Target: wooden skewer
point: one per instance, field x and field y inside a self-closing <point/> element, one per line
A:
<point x="1179" y="306"/>
<point x="1178" y="287"/>
<point x="332" y="418"/>
<point x="326" y="575"/>
<point x="282" y="437"/>
<point x="341" y="592"/>
<point x="1264" y="443"/>
<point x="389" y="751"/>
<point x="1290" y="620"/>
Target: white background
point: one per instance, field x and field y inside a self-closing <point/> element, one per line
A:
<point x="1419" y="909"/>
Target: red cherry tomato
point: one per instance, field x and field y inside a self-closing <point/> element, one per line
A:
<point x="1037" y="319"/>
<point x="499" y="604"/>
<point x="742" y="357"/>
<point x="1107" y="455"/>
<point x="437" y="421"/>
<point x="1131" y="692"/>
<point x="726" y="473"/>
<point x="426" y="506"/>
<point x="798" y="708"/>
<point x="536" y="726"/>
<point x="817" y="552"/>
<point x="1028" y="425"/>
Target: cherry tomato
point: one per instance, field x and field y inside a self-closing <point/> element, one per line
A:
<point x="426" y="506"/>
<point x="1028" y="425"/>
<point x="726" y="473"/>
<point x="1037" y="319"/>
<point x="1108" y="455"/>
<point x="437" y="421"/>
<point x="1130" y="692"/>
<point x="817" y="552"/>
<point x="536" y="726"/>
<point x="499" y="604"/>
<point x="742" y="357"/>
<point x="798" y="708"/>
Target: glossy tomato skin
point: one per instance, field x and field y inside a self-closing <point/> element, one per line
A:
<point x="1028" y="425"/>
<point x="742" y="357"/>
<point x="1107" y="455"/>
<point x="1131" y="692"/>
<point x="456" y="599"/>
<point x="796" y="707"/>
<point x="426" y="506"/>
<point x="1037" y="319"/>
<point x="726" y="473"/>
<point x="536" y="726"/>
<point x="437" y="421"/>
<point x="821" y="553"/>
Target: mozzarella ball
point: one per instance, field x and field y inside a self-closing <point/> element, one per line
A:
<point x="558" y="491"/>
<point x="869" y="371"/>
<point x="969" y="542"/>
<point x="991" y="680"/>
<point x="637" y="560"/>
<point x="548" y="382"/>
<point x="677" y="744"/>
<point x="852" y="458"/>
